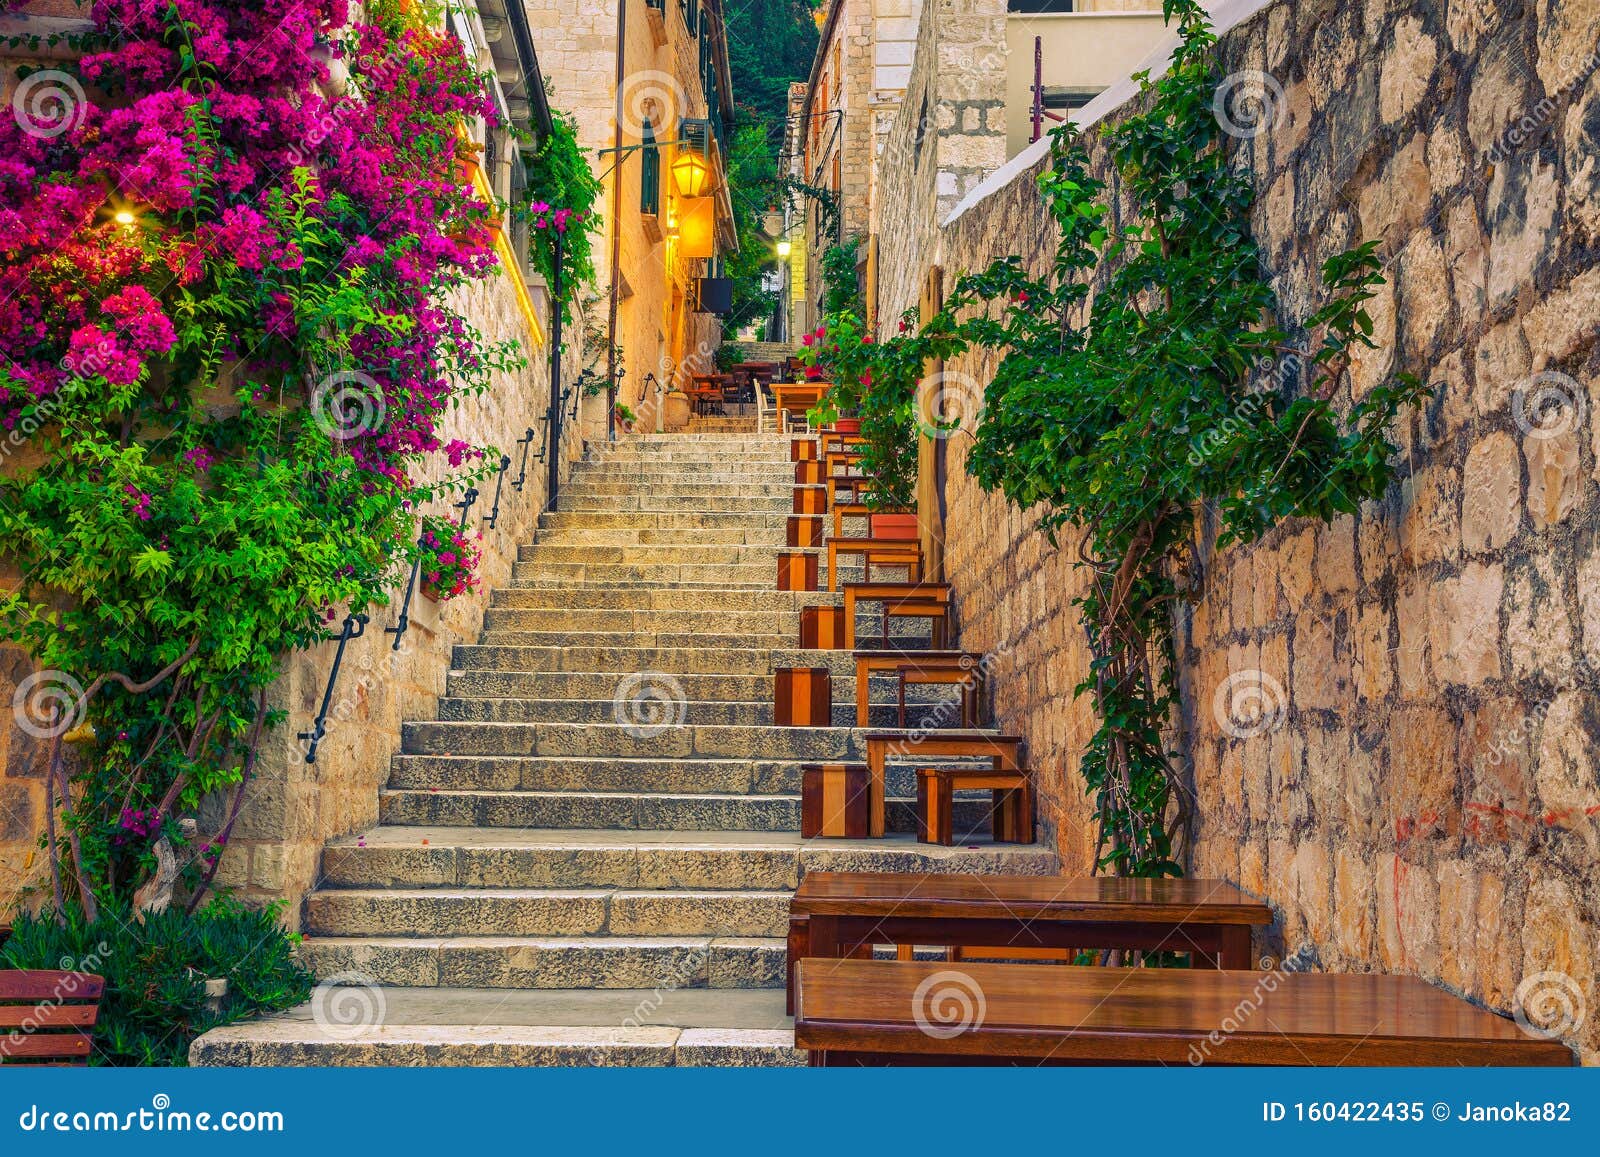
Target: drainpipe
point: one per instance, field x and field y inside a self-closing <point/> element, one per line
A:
<point x="616" y="227"/>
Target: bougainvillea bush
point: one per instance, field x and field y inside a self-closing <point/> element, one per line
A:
<point x="224" y="270"/>
<point x="449" y="558"/>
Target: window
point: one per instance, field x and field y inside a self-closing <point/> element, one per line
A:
<point x="691" y="15"/>
<point x="1041" y="6"/>
<point x="649" y="173"/>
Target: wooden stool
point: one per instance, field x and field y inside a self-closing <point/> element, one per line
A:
<point x="914" y="673"/>
<point x="797" y="571"/>
<point x="805" y="529"/>
<point x="810" y="499"/>
<point x="809" y="473"/>
<point x="834" y="801"/>
<point x="804" y="450"/>
<point x="802" y="697"/>
<point x="821" y="628"/>
<point x="1011" y="819"/>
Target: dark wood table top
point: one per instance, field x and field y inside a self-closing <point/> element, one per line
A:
<point x="1058" y="898"/>
<point x="1156" y="1015"/>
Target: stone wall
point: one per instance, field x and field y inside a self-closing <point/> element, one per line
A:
<point x="1423" y="795"/>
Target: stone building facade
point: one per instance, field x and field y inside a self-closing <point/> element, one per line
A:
<point x="668" y="50"/>
<point x="840" y="127"/>
<point x="1425" y="797"/>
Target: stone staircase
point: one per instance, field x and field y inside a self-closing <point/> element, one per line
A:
<point x="587" y="857"/>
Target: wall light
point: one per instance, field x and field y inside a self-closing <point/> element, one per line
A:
<point x="784" y="248"/>
<point x="692" y="173"/>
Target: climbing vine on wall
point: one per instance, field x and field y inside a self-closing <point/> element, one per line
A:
<point x="561" y="198"/>
<point x="227" y="350"/>
<point x="1175" y="397"/>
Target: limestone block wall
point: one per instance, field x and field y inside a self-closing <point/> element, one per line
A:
<point x="1423" y="797"/>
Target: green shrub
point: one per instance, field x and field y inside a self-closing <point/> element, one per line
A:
<point x="156" y="972"/>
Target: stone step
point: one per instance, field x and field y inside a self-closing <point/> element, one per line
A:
<point x="612" y="774"/>
<point x="644" y="661"/>
<point x="770" y="537"/>
<point x="546" y="686"/>
<point x="688" y="493"/>
<point x="614" y="620"/>
<point x="761" y="576"/>
<point x="654" y="554"/>
<point x="646" y="598"/>
<point x="652" y="735"/>
<point x="445" y="912"/>
<point x="392" y="856"/>
<point x="552" y="961"/>
<point x="924" y="709"/>
<point x="733" y="472"/>
<point x="738" y="520"/>
<point x="648" y="811"/>
<point x="533" y="1027"/>
<point x="607" y="639"/>
<point x="647" y="503"/>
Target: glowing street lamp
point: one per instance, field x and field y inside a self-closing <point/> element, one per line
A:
<point x="784" y="248"/>
<point x="692" y="173"/>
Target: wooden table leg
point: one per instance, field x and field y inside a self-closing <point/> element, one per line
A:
<point x="1235" y="947"/>
<point x="877" y="756"/>
<point x="799" y="947"/>
<point x="863" y="693"/>
<point x="849" y="609"/>
<point x="833" y="576"/>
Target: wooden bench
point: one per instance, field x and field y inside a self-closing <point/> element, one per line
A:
<point x="1004" y="753"/>
<point x="968" y="663"/>
<point x="915" y="674"/>
<point x="875" y="552"/>
<point x="1011" y="815"/>
<point x="935" y="610"/>
<point x="876" y="1012"/>
<point x="48" y="1017"/>
<point x="1023" y="915"/>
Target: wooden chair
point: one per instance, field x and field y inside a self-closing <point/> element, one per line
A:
<point x="48" y="1017"/>
<point x="913" y="674"/>
<point x="1003" y="752"/>
<point x="968" y="663"/>
<point x="876" y="552"/>
<point x="1011" y="816"/>
<point x="928" y="594"/>
<point x="936" y="611"/>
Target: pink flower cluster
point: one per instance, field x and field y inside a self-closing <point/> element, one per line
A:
<point x="154" y="190"/>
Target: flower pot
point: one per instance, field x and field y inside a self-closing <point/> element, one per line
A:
<point x="847" y="426"/>
<point x="895" y="526"/>
<point x="675" y="416"/>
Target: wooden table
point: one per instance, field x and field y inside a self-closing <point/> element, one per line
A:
<point x="868" y="662"/>
<point x="906" y="552"/>
<point x="844" y="910"/>
<point x="795" y="398"/>
<point x="866" y="1012"/>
